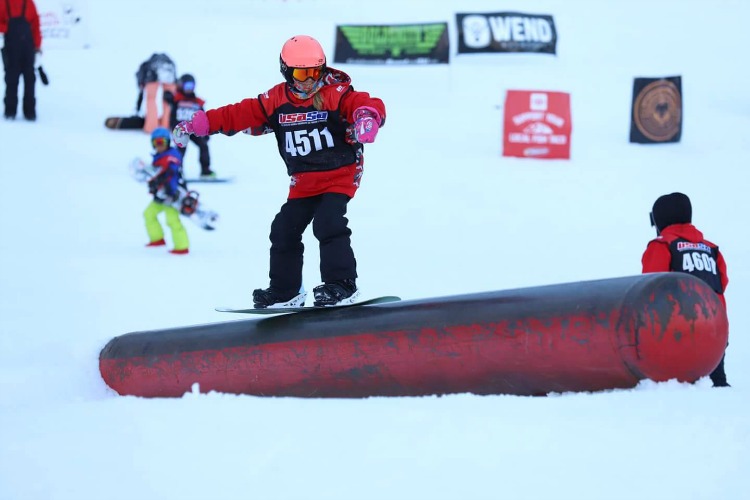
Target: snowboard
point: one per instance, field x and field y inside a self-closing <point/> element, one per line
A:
<point x="217" y="180"/>
<point x="133" y="122"/>
<point x="201" y="216"/>
<point x="286" y="310"/>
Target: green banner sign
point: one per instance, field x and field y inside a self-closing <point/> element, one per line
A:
<point x="406" y="43"/>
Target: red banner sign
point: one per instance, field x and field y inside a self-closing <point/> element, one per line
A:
<point x="537" y="124"/>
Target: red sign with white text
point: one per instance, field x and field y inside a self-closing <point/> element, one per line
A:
<point x="537" y="124"/>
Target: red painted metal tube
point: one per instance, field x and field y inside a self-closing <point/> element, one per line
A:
<point x="583" y="336"/>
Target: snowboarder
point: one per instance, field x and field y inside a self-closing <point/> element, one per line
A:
<point x="320" y="123"/>
<point x="165" y="187"/>
<point x="184" y="105"/>
<point x="21" y="44"/>
<point x="155" y="73"/>
<point x="680" y="246"/>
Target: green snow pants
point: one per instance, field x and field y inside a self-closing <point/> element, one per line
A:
<point x="154" y="229"/>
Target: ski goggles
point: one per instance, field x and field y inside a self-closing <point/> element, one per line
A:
<point x="302" y="74"/>
<point x="188" y="86"/>
<point x="160" y="142"/>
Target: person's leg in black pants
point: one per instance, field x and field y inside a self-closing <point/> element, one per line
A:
<point x="718" y="376"/>
<point x="29" y="84"/>
<point x="11" y="63"/>
<point x="203" y="157"/>
<point x="330" y="227"/>
<point x="286" y="242"/>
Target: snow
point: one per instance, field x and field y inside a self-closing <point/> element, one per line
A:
<point x="440" y="212"/>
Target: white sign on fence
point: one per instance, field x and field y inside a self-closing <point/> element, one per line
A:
<point x="64" y="24"/>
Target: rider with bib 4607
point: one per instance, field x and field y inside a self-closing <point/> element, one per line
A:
<point x="681" y="247"/>
<point x="320" y="123"/>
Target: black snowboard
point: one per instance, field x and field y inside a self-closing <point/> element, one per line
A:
<point x="124" y="122"/>
<point x="286" y="310"/>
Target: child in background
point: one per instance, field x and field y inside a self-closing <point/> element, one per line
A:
<point x="680" y="247"/>
<point x="185" y="104"/>
<point x="165" y="188"/>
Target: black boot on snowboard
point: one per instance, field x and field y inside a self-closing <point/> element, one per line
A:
<point x="336" y="293"/>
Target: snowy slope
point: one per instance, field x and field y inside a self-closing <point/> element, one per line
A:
<point x="441" y="212"/>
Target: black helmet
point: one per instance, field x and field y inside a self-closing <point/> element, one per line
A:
<point x="674" y="208"/>
<point x="186" y="83"/>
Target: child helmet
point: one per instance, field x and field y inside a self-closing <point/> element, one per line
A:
<point x="161" y="133"/>
<point x="186" y="83"/>
<point x="302" y="52"/>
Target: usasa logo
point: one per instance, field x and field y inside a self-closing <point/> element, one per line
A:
<point x="309" y="117"/>
<point x="684" y="246"/>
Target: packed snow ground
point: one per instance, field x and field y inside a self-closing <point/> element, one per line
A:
<point x="440" y="212"/>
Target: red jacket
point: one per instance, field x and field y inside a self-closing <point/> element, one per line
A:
<point x="310" y="133"/>
<point x="658" y="259"/>
<point x="32" y="16"/>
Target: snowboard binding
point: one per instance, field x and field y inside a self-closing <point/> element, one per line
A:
<point x="189" y="203"/>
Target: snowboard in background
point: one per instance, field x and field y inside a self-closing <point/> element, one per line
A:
<point x="215" y="180"/>
<point x="285" y="310"/>
<point x="187" y="204"/>
<point x="201" y="216"/>
<point x="125" y="122"/>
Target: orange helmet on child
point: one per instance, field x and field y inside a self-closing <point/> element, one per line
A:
<point x="303" y="62"/>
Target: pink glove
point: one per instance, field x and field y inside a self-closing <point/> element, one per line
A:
<point x="366" y="124"/>
<point x="197" y="125"/>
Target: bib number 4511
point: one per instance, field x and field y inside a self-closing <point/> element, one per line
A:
<point x="304" y="142"/>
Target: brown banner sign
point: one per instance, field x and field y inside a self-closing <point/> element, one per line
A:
<point x="656" y="110"/>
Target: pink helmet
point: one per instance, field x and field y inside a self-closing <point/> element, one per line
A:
<point x="302" y="51"/>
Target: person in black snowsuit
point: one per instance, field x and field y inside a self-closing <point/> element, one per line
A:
<point x="21" y="41"/>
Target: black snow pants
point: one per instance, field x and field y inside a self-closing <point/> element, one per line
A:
<point x="203" y="156"/>
<point x="718" y="376"/>
<point x="327" y="212"/>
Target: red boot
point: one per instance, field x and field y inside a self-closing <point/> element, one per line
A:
<point x="158" y="243"/>
<point x="183" y="251"/>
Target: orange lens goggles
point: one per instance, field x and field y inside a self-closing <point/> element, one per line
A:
<point x="302" y="74"/>
<point x="160" y="141"/>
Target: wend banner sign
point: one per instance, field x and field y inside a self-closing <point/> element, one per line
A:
<point x="656" y="115"/>
<point x="506" y="32"/>
<point x="393" y="44"/>
<point x="537" y="124"/>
